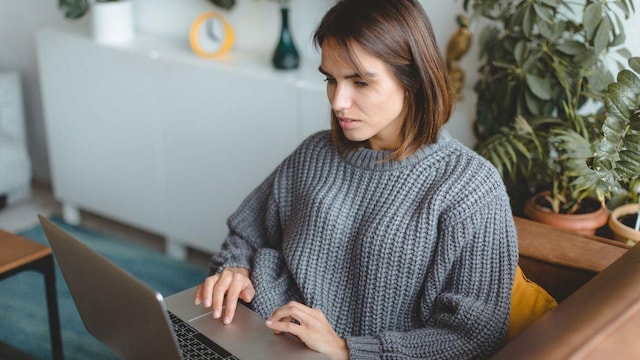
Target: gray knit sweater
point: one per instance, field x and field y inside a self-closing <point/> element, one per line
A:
<point x="407" y="259"/>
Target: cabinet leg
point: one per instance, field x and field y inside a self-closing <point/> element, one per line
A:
<point x="176" y="249"/>
<point x="70" y="214"/>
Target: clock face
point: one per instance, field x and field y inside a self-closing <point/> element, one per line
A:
<point x="211" y="35"/>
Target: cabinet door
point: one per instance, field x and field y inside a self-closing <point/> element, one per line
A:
<point x="102" y="123"/>
<point x="225" y="131"/>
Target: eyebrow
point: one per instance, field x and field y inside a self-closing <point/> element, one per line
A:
<point x="350" y="76"/>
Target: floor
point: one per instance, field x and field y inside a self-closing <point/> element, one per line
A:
<point x="23" y="214"/>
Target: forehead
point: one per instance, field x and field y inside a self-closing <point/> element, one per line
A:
<point x="352" y="58"/>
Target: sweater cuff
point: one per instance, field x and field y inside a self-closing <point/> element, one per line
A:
<point x="218" y="263"/>
<point x="364" y="347"/>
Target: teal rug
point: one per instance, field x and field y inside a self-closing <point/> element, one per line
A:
<point x="23" y="310"/>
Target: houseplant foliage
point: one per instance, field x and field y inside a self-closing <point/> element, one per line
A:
<point x="75" y="9"/>
<point x="545" y="64"/>
<point x="613" y="163"/>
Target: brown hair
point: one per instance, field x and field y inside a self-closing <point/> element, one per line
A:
<point x="399" y="33"/>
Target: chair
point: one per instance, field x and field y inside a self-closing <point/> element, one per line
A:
<point x="597" y="284"/>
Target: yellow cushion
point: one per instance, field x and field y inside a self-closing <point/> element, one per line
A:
<point x="529" y="302"/>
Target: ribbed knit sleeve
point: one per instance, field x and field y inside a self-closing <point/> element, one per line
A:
<point x="253" y="226"/>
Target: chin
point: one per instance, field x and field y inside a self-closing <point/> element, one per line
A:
<point x="355" y="137"/>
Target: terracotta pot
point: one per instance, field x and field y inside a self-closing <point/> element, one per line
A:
<point x="586" y="224"/>
<point x="621" y="231"/>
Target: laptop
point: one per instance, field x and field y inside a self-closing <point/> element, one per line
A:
<point x="136" y="322"/>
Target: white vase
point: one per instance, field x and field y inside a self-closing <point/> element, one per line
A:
<point x="113" y="22"/>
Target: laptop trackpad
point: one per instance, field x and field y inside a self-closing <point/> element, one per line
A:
<point x="248" y="337"/>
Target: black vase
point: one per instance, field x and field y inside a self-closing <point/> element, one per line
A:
<point x="285" y="57"/>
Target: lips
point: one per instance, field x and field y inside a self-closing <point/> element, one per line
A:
<point x="347" y="124"/>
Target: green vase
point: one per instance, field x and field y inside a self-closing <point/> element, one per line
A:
<point x="285" y="56"/>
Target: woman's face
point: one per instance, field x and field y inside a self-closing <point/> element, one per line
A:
<point x="370" y="110"/>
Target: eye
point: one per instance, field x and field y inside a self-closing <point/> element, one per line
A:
<point x="360" y="83"/>
<point x="329" y="80"/>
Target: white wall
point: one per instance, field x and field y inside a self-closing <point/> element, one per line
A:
<point x="19" y="20"/>
<point x="256" y="22"/>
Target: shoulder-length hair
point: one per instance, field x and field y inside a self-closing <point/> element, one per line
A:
<point x="399" y="33"/>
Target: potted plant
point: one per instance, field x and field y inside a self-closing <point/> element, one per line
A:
<point x="75" y="9"/>
<point x="625" y="219"/>
<point x="545" y="64"/>
<point x="112" y="21"/>
<point x="623" y="109"/>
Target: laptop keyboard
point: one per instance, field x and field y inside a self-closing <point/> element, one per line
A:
<point x="194" y="345"/>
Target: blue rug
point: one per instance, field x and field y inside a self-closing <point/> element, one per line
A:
<point x="23" y="310"/>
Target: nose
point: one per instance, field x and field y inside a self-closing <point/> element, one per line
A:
<point x="339" y="97"/>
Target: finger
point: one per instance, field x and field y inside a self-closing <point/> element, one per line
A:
<point x="292" y="309"/>
<point x="198" y="295"/>
<point x="207" y="289"/>
<point x="292" y="313"/>
<point x="248" y="293"/>
<point x="219" y="291"/>
<point x="287" y="324"/>
<point x="231" y="298"/>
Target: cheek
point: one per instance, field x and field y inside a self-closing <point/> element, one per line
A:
<point x="393" y="105"/>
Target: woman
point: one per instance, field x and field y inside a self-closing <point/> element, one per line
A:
<point x="384" y="237"/>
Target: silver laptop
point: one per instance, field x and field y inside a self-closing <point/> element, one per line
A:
<point x="136" y="322"/>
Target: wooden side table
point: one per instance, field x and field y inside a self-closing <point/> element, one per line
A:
<point x="18" y="254"/>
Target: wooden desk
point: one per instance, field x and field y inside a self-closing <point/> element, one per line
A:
<point x="18" y="254"/>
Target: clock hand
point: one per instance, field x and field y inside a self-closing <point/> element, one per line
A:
<point x="211" y="33"/>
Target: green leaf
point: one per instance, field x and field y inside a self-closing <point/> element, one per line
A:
<point x="631" y="156"/>
<point x="543" y="13"/>
<point x="634" y="63"/>
<point x="571" y="47"/>
<point x="540" y="87"/>
<point x="601" y="40"/>
<point x="529" y="21"/>
<point x="519" y="52"/>
<point x="606" y="148"/>
<point x="533" y="103"/>
<point x="624" y="53"/>
<point x="465" y="5"/>
<point x="620" y="37"/>
<point x="73" y="9"/>
<point x="618" y="97"/>
<point x="629" y="79"/>
<point x="614" y="124"/>
<point x="634" y="120"/>
<point x="551" y="3"/>
<point x="592" y="19"/>
<point x="629" y="168"/>
<point x="632" y="138"/>
<point x="547" y="30"/>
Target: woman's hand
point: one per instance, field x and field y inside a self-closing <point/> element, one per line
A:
<point x="311" y="326"/>
<point x="225" y="287"/>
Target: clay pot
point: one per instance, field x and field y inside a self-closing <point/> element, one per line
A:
<point x="621" y="231"/>
<point x="586" y="223"/>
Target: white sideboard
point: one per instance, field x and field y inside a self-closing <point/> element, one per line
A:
<point x="152" y="136"/>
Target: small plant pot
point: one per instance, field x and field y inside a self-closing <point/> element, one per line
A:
<point x="586" y="223"/>
<point x="622" y="221"/>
